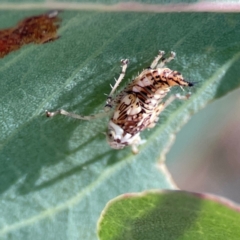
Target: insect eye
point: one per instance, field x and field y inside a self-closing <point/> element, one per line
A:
<point x="111" y="134"/>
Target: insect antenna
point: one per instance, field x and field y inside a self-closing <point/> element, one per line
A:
<point x="191" y="84"/>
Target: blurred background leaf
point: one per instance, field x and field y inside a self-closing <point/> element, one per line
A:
<point x="57" y="174"/>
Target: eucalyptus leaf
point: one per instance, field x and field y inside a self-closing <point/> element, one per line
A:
<point x="169" y="215"/>
<point x="57" y="174"/>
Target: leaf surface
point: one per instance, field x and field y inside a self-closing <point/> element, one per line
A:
<point x="169" y="215"/>
<point x="57" y="174"/>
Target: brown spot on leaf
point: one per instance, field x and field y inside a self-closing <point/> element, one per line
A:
<point x="37" y="29"/>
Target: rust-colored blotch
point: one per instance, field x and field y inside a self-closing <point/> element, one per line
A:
<point x="36" y="29"/>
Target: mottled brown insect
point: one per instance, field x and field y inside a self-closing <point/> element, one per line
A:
<point x="138" y="106"/>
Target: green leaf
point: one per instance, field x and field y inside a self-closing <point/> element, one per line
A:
<point x="169" y="215"/>
<point x="57" y="174"/>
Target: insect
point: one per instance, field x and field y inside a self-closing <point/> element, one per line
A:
<point x="138" y="106"/>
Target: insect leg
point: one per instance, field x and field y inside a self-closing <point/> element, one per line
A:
<point x="120" y="78"/>
<point x="156" y="60"/>
<point x="162" y="106"/>
<point x="176" y="96"/>
<point x="73" y="115"/>
<point x="136" y="143"/>
<point x="164" y="61"/>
